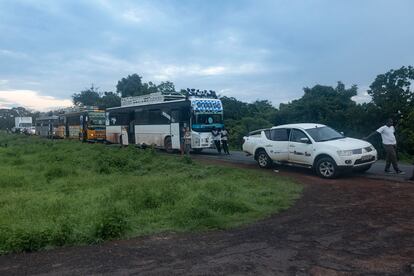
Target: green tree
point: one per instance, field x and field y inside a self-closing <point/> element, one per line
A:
<point x="392" y="92"/>
<point x="130" y="86"/>
<point x="109" y="99"/>
<point x="92" y="97"/>
<point x="88" y="97"/>
<point x="321" y="104"/>
<point x="166" y="87"/>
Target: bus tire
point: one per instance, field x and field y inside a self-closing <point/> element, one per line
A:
<point x="168" y="144"/>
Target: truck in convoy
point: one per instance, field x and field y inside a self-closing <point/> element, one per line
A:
<point x="158" y="120"/>
<point x="47" y="126"/>
<point x="85" y="124"/>
<point x="23" y="125"/>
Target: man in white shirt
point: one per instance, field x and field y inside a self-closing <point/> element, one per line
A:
<point x="216" y="138"/>
<point x="389" y="143"/>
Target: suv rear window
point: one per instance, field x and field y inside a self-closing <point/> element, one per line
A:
<point x="279" y="134"/>
<point x="267" y="133"/>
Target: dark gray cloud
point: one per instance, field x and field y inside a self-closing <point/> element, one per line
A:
<point x="247" y="49"/>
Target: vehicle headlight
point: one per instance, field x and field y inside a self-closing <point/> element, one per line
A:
<point x="344" y="152"/>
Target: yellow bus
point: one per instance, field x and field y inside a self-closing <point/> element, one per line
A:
<point x="87" y="125"/>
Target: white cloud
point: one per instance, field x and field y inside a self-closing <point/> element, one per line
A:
<point x="12" y="54"/>
<point x="134" y="15"/>
<point x="31" y="99"/>
<point x="362" y="96"/>
<point x="133" y="12"/>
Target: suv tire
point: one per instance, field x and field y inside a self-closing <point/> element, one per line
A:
<point x="263" y="159"/>
<point x="326" y="168"/>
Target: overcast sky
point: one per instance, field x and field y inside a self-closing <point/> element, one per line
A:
<point x="247" y="49"/>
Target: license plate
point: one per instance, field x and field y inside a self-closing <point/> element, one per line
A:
<point x="366" y="157"/>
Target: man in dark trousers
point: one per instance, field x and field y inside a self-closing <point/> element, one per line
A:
<point x="389" y="143"/>
<point x="224" y="140"/>
<point x="216" y="138"/>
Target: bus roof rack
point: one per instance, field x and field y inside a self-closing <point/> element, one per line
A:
<point x="157" y="97"/>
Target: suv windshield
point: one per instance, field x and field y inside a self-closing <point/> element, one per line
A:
<point x="321" y="134"/>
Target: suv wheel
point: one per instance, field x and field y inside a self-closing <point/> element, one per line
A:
<point x="263" y="159"/>
<point x="326" y="168"/>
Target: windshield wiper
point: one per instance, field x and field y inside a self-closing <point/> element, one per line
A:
<point x="330" y="139"/>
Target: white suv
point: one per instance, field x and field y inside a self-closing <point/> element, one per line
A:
<point x="310" y="145"/>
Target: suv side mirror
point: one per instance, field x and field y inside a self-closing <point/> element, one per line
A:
<point x="305" y="140"/>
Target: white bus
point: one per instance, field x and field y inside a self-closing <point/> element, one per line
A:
<point x="158" y="120"/>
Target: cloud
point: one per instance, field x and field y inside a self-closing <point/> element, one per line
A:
<point x="362" y="98"/>
<point x="12" y="54"/>
<point x="31" y="99"/>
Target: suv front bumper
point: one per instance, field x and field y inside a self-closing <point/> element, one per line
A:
<point x="356" y="161"/>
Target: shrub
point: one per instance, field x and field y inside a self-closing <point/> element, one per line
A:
<point x="55" y="172"/>
<point x="112" y="224"/>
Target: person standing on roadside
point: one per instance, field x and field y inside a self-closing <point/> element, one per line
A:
<point x="224" y="140"/>
<point x="187" y="141"/>
<point x="216" y="138"/>
<point x="389" y="143"/>
<point x="182" y="140"/>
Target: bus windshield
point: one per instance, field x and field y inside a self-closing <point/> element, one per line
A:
<point x="205" y="122"/>
<point x="96" y="119"/>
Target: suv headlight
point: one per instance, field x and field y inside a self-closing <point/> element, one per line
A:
<point x="345" y="152"/>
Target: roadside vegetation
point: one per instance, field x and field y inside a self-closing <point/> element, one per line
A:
<point x="58" y="193"/>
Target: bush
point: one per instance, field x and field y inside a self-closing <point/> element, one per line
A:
<point x="111" y="225"/>
<point x="55" y="172"/>
<point x="25" y="240"/>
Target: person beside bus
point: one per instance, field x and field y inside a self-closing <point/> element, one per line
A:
<point x="216" y="138"/>
<point x="187" y="141"/>
<point x="224" y="141"/>
<point x="182" y="139"/>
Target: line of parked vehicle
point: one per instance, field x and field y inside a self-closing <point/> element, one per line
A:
<point x="158" y="119"/>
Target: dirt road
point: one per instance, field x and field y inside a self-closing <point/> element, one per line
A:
<point x="349" y="226"/>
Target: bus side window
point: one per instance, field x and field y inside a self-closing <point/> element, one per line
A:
<point x="175" y="116"/>
<point x="141" y="117"/>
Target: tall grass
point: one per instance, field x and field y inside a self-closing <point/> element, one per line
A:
<point x="58" y="192"/>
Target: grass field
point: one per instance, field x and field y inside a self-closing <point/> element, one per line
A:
<point x="56" y="193"/>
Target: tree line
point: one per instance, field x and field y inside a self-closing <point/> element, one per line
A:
<point x="391" y="94"/>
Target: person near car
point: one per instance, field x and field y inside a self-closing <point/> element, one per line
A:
<point x="224" y="141"/>
<point x="216" y="138"/>
<point x="389" y="143"/>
